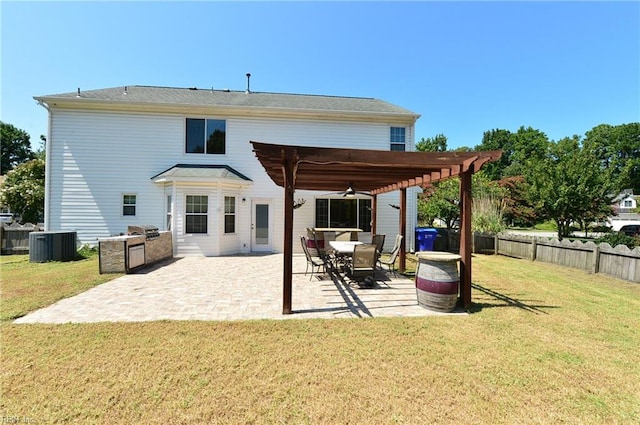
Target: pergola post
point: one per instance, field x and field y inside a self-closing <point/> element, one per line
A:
<point x="465" y="239"/>
<point x="374" y="214"/>
<point x="287" y="274"/>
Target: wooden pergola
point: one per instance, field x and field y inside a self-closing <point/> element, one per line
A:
<point x="376" y="172"/>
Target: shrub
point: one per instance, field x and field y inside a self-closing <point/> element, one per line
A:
<point x="87" y="251"/>
<point x="487" y="214"/>
<point x="617" y="238"/>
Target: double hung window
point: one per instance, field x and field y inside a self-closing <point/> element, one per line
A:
<point x="196" y="213"/>
<point x="229" y="214"/>
<point x="128" y="204"/>
<point x="397" y="138"/>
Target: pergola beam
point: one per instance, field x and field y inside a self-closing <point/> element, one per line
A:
<point x="375" y="171"/>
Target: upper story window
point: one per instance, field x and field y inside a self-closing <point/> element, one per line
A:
<point x="229" y="214"/>
<point x="128" y="204"/>
<point x="196" y="213"/>
<point x="205" y="136"/>
<point x="397" y="139"/>
<point x="628" y="203"/>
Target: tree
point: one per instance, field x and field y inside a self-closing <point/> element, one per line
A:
<point x="42" y="152"/>
<point x="568" y="186"/>
<point x="529" y="145"/>
<point x="517" y="148"/>
<point x="617" y="148"/>
<point x="23" y="191"/>
<point x="436" y="144"/>
<point x="518" y="211"/>
<point x="16" y="147"/>
<point x="440" y="201"/>
<point x="496" y="140"/>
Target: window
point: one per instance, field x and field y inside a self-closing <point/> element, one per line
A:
<point x="196" y="214"/>
<point x="205" y="136"/>
<point x="229" y="214"/>
<point x="128" y="204"/>
<point x="398" y="139"/>
<point x="169" y="212"/>
<point x="628" y="203"/>
<point x="344" y="213"/>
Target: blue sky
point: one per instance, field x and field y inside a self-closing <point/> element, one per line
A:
<point x="466" y="67"/>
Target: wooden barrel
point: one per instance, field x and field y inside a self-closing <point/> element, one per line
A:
<point x="437" y="280"/>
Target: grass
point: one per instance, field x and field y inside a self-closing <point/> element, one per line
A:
<point x="543" y="345"/>
<point x="28" y="286"/>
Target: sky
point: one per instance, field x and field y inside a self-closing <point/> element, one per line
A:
<point x="465" y="67"/>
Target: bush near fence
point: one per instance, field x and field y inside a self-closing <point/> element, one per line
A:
<point x="14" y="237"/>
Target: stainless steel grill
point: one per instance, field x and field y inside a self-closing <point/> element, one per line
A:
<point x="148" y="230"/>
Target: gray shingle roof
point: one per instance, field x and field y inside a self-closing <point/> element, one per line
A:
<point x="232" y="99"/>
<point x="201" y="171"/>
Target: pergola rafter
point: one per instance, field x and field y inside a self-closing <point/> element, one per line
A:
<point x="374" y="171"/>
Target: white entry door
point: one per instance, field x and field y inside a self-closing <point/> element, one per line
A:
<point x="261" y="226"/>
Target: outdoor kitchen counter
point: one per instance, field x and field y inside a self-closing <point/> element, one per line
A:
<point x="122" y="254"/>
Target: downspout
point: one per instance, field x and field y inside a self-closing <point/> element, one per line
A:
<point x="47" y="168"/>
<point x="174" y="220"/>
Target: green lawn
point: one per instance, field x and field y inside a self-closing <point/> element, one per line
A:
<point x="28" y="286"/>
<point x="543" y="345"/>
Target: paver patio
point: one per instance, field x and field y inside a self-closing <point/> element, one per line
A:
<point x="230" y="288"/>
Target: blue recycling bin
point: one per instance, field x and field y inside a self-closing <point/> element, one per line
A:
<point x="425" y="238"/>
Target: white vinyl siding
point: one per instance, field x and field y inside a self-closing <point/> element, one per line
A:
<point x="96" y="157"/>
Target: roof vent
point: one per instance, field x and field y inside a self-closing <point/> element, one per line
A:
<point x="78" y="95"/>
<point x="248" y="80"/>
<point x="125" y="90"/>
<point x="193" y="88"/>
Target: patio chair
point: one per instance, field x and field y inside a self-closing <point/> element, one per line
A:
<point x="362" y="267"/>
<point x="378" y="241"/>
<point x="324" y="249"/>
<point x="390" y="262"/>
<point x="312" y="261"/>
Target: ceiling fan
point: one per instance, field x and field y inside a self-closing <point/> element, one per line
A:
<point x="350" y="192"/>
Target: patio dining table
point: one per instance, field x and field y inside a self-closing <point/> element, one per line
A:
<point x="342" y="253"/>
<point x="344" y="247"/>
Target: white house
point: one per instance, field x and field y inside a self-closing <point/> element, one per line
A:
<point x="180" y="159"/>
<point x="624" y="208"/>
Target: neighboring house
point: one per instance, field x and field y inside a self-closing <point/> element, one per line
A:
<point x="180" y="159"/>
<point x="624" y="207"/>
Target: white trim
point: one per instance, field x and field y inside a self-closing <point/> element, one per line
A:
<point x="407" y="119"/>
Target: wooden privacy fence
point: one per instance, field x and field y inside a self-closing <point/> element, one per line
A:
<point x="449" y="240"/>
<point x="14" y="237"/>
<point x="620" y="262"/>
